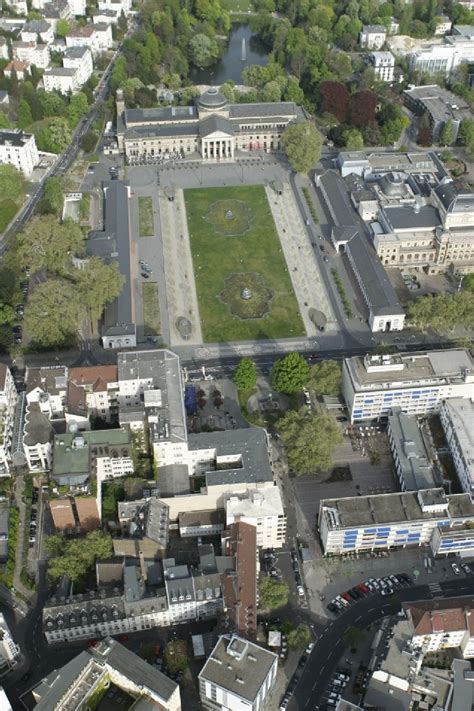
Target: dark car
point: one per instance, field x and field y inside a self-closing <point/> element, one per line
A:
<point x="333" y="608"/>
<point x="294" y="554"/>
<point x="303" y="661"/>
<point x="358" y="593"/>
<point x="353" y="594"/>
<point x="295" y="565"/>
<point x="26" y="676"/>
<point x="322" y="248"/>
<point x="145" y="275"/>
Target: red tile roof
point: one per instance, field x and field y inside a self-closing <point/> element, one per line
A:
<point x="240" y="585"/>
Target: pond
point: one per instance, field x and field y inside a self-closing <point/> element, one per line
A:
<point x="231" y="64"/>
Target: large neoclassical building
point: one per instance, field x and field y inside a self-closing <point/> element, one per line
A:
<point x="212" y="127"/>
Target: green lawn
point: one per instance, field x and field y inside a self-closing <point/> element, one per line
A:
<point x="8" y="210"/>
<point x="151" y="309"/>
<point x="256" y="250"/>
<point x="146" y="226"/>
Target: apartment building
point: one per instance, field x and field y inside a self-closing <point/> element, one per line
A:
<point x="444" y="625"/>
<point x="34" y="28"/>
<point x="18" y="149"/>
<point x="240" y="579"/>
<point x="262" y="508"/>
<point x="38" y="435"/>
<point x="108" y="663"/>
<point x="410" y="455"/>
<point x="384" y="65"/>
<point x="8" y="401"/>
<point x="96" y="37"/>
<point x="80" y="59"/>
<point x="116" y="6"/>
<point x="372" y="36"/>
<point x="439" y="105"/>
<point x="61" y="79"/>
<point x="4" y="530"/>
<point x="191" y="597"/>
<point x="384" y="521"/>
<point x="92" y="393"/>
<point x="238" y="675"/>
<point x="416" y="383"/>
<point x="457" y="418"/>
<point x="77" y="7"/>
<point x="21" y="69"/>
<point x="202" y="523"/>
<point x="10" y="653"/>
<point x="31" y="53"/>
<point x="144" y="527"/>
<point x="104" y="454"/>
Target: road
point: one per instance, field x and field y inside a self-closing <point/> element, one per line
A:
<point x="330" y="646"/>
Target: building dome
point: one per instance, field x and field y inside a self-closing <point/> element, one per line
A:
<point x="212" y="100"/>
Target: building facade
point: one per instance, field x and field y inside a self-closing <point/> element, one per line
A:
<point x="444" y="626"/>
<point x="213" y="128"/>
<point x="384" y="65"/>
<point x="262" y="508"/>
<point x="18" y="149"/>
<point x="417" y="383"/>
<point x="457" y="418"/>
<point x="8" y="402"/>
<point x="372" y="36"/>
<point x="10" y="653"/>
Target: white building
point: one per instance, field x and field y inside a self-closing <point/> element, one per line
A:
<point x="92" y="392"/>
<point x="383" y="64"/>
<point x="77" y="683"/>
<point x="443" y="26"/>
<point x="38" y="434"/>
<point x="104" y="37"/>
<point x="19" y="6"/>
<point x="238" y="676"/>
<point x="444" y="625"/>
<point x="31" y="53"/>
<point x="77" y="7"/>
<point x="459" y="540"/>
<point x="384" y="521"/>
<point x="18" y="149"/>
<point x="3" y="48"/>
<point x="373" y="36"/>
<point x="262" y="508"/>
<point x="116" y="6"/>
<point x="8" y="400"/>
<point x="80" y="59"/>
<point x="31" y="30"/>
<point x="61" y="79"/>
<point x="21" y="69"/>
<point x="10" y="653"/>
<point x="442" y="59"/>
<point x="457" y="418"/>
<point x="97" y="37"/>
<point x="417" y="383"/>
<point x="191" y="597"/>
<point x="410" y="457"/>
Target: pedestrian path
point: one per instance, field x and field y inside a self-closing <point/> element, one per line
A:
<point x="435" y="589"/>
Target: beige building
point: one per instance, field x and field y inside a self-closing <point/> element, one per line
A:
<point x="212" y="128"/>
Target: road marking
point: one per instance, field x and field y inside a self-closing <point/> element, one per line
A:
<point x="314" y="685"/>
<point x="358" y="618"/>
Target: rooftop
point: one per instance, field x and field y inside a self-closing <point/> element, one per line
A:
<point x="461" y="414"/>
<point x="238" y="666"/>
<point x="15" y="136"/>
<point x="430" y="617"/>
<point x="254" y="503"/>
<point x="62" y="513"/>
<point x="37" y="428"/>
<point x="407" y="370"/>
<point x="74" y="453"/>
<point x="355" y="511"/>
<point x="239" y="584"/>
<point x="411" y="217"/>
<point x="407" y="440"/>
<point x="52" y="380"/>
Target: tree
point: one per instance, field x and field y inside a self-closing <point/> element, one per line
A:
<point x="362" y="107"/>
<point x="326" y="378"/>
<point x="62" y="28"/>
<point x="12" y="184"/>
<point x="353" y="139"/>
<point x="442" y="312"/>
<point x="334" y="99"/>
<point x="271" y="92"/>
<point x="97" y="285"/>
<point x="89" y="141"/>
<point x="78" y="107"/>
<point x="7" y="314"/>
<point x="446" y="136"/>
<point x="272" y="593"/>
<point x="300" y="637"/>
<point x="4" y="122"/>
<point x="52" y="200"/>
<point x="309" y="440"/>
<point x="52" y="313"/>
<point x="290" y="374"/>
<point x="425" y="133"/>
<point x="23" y="114"/>
<point x="302" y="143"/>
<point x="245" y="376"/>
<point x="55" y="137"/>
<point x="293" y="91"/>
<point x="468" y="283"/>
<point x="353" y="636"/>
<point x="176" y="656"/>
<point x="47" y="244"/>
<point x="203" y="50"/>
<point x="74" y="558"/>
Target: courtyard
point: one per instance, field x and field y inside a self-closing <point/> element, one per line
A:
<point x="243" y="285"/>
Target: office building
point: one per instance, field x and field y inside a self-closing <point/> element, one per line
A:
<point x="8" y="401"/>
<point x="410" y="455"/>
<point x="238" y="675"/>
<point x="372" y="36"/>
<point x="110" y="666"/>
<point x="262" y="508"/>
<point x="457" y="540"/>
<point x="443" y="59"/>
<point x="439" y="105"/>
<point x="417" y="383"/>
<point x="446" y="624"/>
<point x="384" y="521"/>
<point x="457" y="418"/>
<point x="10" y="653"/>
<point x="18" y="149"/>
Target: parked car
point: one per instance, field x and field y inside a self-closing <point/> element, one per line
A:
<point x="346" y="596"/>
<point x="456" y="569"/>
<point x="300" y="590"/>
<point x="466" y="568"/>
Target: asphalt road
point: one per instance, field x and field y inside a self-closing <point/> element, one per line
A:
<point x="330" y="646"/>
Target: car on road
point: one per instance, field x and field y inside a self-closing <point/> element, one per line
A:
<point x="303" y="661"/>
<point x="123" y="638"/>
<point x="466" y="568"/>
<point x="295" y="565"/>
<point x="284" y="704"/>
<point x="297" y="579"/>
<point x="325" y="259"/>
<point x="342" y="601"/>
<point x="300" y="590"/>
<point x="294" y="554"/>
<point x="332" y="607"/>
<point x="456" y="569"/>
<point x="309" y="648"/>
<point x="322" y="248"/>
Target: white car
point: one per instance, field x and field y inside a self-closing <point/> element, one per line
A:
<point x="456" y="569"/>
<point x="309" y="648"/>
<point x="300" y="590"/>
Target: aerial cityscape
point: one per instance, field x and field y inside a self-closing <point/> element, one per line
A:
<point x="236" y="355"/>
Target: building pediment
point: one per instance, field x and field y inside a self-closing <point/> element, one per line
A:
<point x="218" y="136"/>
<point x="216" y="127"/>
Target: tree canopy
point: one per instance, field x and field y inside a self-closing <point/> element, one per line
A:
<point x="443" y="312"/>
<point x="301" y="143"/>
<point x="12" y="183"/>
<point x="290" y="374"/>
<point x="273" y="593"/>
<point x="176" y="656"/>
<point x="326" y="378"/>
<point x="52" y="313"/>
<point x="98" y="284"/>
<point x="75" y="557"/>
<point x="52" y="200"/>
<point x="299" y="637"/>
<point x="245" y="376"/>
<point x="309" y="440"/>
<point x="48" y="244"/>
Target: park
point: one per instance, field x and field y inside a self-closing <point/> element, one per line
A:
<point x="243" y="285"/>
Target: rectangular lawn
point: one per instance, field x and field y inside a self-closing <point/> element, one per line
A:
<point x="145" y="217"/>
<point x="255" y="250"/>
<point x="151" y="309"/>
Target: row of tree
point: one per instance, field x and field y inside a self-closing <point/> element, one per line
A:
<point x="443" y="312"/>
<point x="69" y="287"/>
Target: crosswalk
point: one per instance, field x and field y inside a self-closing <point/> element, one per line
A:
<point x="435" y="589"/>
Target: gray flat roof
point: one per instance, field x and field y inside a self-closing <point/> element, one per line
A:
<point x="113" y="245"/>
<point x="249" y="445"/>
<point x="407" y="440"/>
<point x="380" y="292"/>
<point x="403" y="217"/>
<point x="243" y="674"/>
<point x="279" y="108"/>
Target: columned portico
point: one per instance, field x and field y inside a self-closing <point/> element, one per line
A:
<point x="217" y="148"/>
